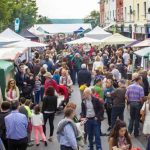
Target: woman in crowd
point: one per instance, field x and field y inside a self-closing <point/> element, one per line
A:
<point x="98" y="63"/>
<point x="145" y="111"/>
<point x="12" y="91"/>
<point x="119" y="137"/>
<point x="49" y="109"/>
<point x="65" y="79"/>
<point x="108" y="101"/>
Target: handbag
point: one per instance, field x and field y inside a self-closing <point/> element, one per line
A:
<point x="143" y="113"/>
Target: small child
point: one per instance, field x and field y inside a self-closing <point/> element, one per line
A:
<point x="56" y="76"/>
<point x="37" y="90"/>
<point x="37" y="123"/>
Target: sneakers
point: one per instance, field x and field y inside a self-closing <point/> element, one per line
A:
<point x="37" y="144"/>
<point x="45" y="143"/>
<point x="50" y="139"/>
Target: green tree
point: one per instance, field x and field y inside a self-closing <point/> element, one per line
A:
<point x="4" y="14"/>
<point x="93" y="18"/>
<point x="26" y="11"/>
<point x="43" y="20"/>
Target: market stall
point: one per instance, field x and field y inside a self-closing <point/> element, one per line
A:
<point x="6" y="72"/>
<point x="84" y="40"/>
<point x="117" y="39"/>
<point x="144" y="53"/>
<point x="97" y="33"/>
<point x="145" y="43"/>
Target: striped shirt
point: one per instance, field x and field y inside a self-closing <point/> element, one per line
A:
<point x="37" y="86"/>
<point x="134" y="92"/>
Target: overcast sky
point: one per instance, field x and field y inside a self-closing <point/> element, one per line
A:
<point x="66" y="8"/>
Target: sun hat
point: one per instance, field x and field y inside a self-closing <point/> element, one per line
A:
<point x="48" y="74"/>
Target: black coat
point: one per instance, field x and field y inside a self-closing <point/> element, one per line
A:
<point x="98" y="108"/>
<point x="49" y="103"/>
<point x="84" y="77"/>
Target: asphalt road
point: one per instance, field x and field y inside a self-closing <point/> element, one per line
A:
<point x="138" y="142"/>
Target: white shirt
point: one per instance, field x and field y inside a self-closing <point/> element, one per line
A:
<point x="97" y="64"/>
<point x="126" y="58"/>
<point x="37" y="119"/>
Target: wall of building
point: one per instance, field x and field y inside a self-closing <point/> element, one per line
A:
<point x="119" y="10"/>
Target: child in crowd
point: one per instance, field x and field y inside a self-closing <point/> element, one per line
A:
<point x="56" y="76"/>
<point x="37" y="89"/>
<point x="37" y="123"/>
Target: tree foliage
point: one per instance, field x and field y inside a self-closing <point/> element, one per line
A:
<point x="43" y="20"/>
<point x="25" y="10"/>
<point x="93" y="18"/>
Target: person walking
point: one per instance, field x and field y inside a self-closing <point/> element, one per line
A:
<point x="67" y="132"/>
<point x="135" y="95"/>
<point x="5" y="110"/>
<point x="108" y="100"/>
<point x="37" y="122"/>
<point x="49" y="108"/>
<point x="118" y="98"/>
<point x="92" y="110"/>
<point x="37" y="90"/>
<point x="16" y="128"/>
<point x="145" y="111"/>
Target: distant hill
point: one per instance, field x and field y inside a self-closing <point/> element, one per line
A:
<point x="66" y="21"/>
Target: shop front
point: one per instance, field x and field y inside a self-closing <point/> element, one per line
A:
<point x="140" y="33"/>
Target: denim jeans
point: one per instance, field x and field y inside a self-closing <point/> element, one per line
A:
<point x="117" y="112"/>
<point x="75" y="75"/>
<point x="37" y="96"/>
<point x="134" y="118"/>
<point x="42" y="92"/>
<point x="93" y="129"/>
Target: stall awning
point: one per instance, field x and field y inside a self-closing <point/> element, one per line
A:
<point x="143" y="52"/>
<point x="11" y="53"/>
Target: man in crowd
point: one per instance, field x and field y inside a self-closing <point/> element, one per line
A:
<point x="16" y="128"/>
<point x="115" y="72"/>
<point x="5" y="110"/>
<point x="135" y="95"/>
<point x="84" y="76"/>
<point x="118" y="97"/>
<point x="67" y="131"/>
<point x="92" y="109"/>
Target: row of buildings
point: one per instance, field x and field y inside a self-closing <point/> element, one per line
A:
<point x="129" y="17"/>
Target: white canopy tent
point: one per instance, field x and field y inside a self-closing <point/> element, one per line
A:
<point x="62" y="28"/>
<point x="26" y="44"/>
<point x="98" y="33"/>
<point x="84" y="40"/>
<point x="143" y="52"/>
<point x="145" y="43"/>
<point x="11" y="53"/>
<point x="117" y="39"/>
<point x="36" y="32"/>
<point x="9" y="34"/>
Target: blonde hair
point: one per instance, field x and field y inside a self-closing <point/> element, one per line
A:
<point x="97" y="58"/>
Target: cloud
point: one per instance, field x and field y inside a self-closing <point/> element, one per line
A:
<point x="66" y="8"/>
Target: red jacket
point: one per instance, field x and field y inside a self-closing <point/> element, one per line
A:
<point x="51" y="82"/>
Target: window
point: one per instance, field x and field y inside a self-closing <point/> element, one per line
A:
<point x="125" y="12"/>
<point x="130" y="12"/>
<point x="113" y="13"/>
<point x="138" y="12"/>
<point x="145" y="9"/>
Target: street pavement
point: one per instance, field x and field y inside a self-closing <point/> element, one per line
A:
<point x="138" y="142"/>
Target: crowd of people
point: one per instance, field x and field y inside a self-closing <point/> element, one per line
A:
<point x="109" y="85"/>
